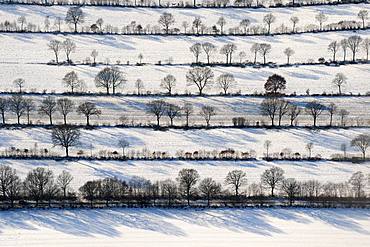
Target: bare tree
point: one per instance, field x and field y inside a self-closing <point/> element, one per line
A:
<point x="267" y="144"/>
<point x="168" y="83"/>
<point x="362" y="143"/>
<point x="69" y="46"/>
<point x="65" y="136"/>
<point x="226" y="81"/>
<point x="321" y="18"/>
<point x="89" y="191"/>
<point x="209" y="188"/>
<point x="343" y="113"/>
<point x="158" y="108"/>
<point x="201" y="77"/>
<point x="17" y="106"/>
<point x="10" y="184"/>
<point x="166" y="20"/>
<point x="358" y="183"/>
<point x="139" y="84"/>
<point x="315" y="109"/>
<point x="334" y="47"/>
<point x="293" y="112"/>
<point x="19" y="83"/>
<point x="269" y="107"/>
<point x="88" y="109"/>
<point x="244" y="25"/>
<point x="221" y="22"/>
<point x="228" y="51"/>
<point x="94" y="55"/>
<point x="272" y="178"/>
<point x="242" y="55"/>
<point x="75" y="16"/>
<point x="187" y="110"/>
<point x="197" y="23"/>
<point x="36" y="183"/>
<point x="63" y="181"/>
<point x="172" y="112"/>
<point x="169" y="190"/>
<point x="110" y="77"/>
<point x="354" y="45"/>
<point x="275" y="84"/>
<point x="332" y="109"/>
<point x="65" y="106"/>
<point x="264" y="49"/>
<point x="29" y="107"/>
<point x="236" y="179"/>
<point x="268" y="20"/>
<point x="339" y="80"/>
<point x="291" y="187"/>
<point x="207" y="112"/>
<point x="366" y="46"/>
<point x="255" y="50"/>
<point x="71" y="80"/>
<point x="309" y="147"/>
<point x="344" y="45"/>
<point x="123" y="143"/>
<point x="56" y="46"/>
<point x="294" y="20"/>
<point x="208" y="49"/>
<point x="363" y="15"/>
<point x="48" y="107"/>
<point x="288" y="53"/>
<point x="187" y="179"/>
<point x="196" y="49"/>
<point x="4" y="106"/>
<point x="282" y="109"/>
<point x="22" y="20"/>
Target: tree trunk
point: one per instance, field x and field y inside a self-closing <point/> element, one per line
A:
<point x="87" y="120"/>
<point x="67" y="152"/>
<point x="3" y="117"/>
<point x="51" y="119"/>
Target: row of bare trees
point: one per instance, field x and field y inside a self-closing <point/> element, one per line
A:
<point x="41" y="186"/>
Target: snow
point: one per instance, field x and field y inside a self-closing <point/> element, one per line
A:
<point x="170" y="227"/>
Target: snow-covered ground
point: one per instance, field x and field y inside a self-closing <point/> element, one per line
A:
<point x="317" y="79"/>
<point x="326" y="142"/>
<point x="166" y="227"/>
<point x="32" y="48"/>
<point x="119" y="17"/>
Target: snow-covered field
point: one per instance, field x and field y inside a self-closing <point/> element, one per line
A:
<point x="317" y="79"/>
<point x="119" y="17"/>
<point x="326" y="142"/>
<point x="166" y="227"/>
<point x="32" y="48"/>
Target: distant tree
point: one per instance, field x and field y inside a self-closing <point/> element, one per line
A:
<point x="236" y="179"/>
<point x="48" y="107"/>
<point x="168" y="83"/>
<point x="358" y="183"/>
<point x="69" y="46"/>
<point x="65" y="136"/>
<point x="269" y="107"/>
<point x="140" y="57"/>
<point x="185" y="25"/>
<point x="315" y="109"/>
<point x="100" y="23"/>
<point x="110" y="77"/>
<point x="244" y="23"/>
<point x="272" y="178"/>
<point x="169" y="190"/>
<point x="123" y="144"/>
<point x="343" y="148"/>
<point x="221" y="22"/>
<point x="139" y="84"/>
<point x="339" y="80"/>
<point x="321" y="18"/>
<point x="354" y="45"/>
<point x="94" y="55"/>
<point x="158" y="108"/>
<point x="291" y="187"/>
<point x="197" y="23"/>
<point x="22" y="20"/>
<point x="344" y="45"/>
<point x="173" y="111"/>
<point x="226" y="81"/>
<point x="208" y="49"/>
<point x="88" y="109"/>
<point x="56" y="46"/>
<point x="255" y="50"/>
<point x="293" y="112"/>
<point x="288" y="53"/>
<point x="209" y="188"/>
<point x="294" y="20"/>
<point x="366" y="46"/>
<point x="4" y="106"/>
<point x="207" y="112"/>
<point x="334" y="47"/>
<point x="65" y="106"/>
<point x="309" y="147"/>
<point x="89" y="191"/>
<point x="228" y="51"/>
<point x="10" y="184"/>
<point x="343" y="113"/>
<point x="363" y="15"/>
<point x="264" y="49"/>
<point x="187" y="110"/>
<point x="267" y="144"/>
<point x="275" y="84"/>
<point x="71" y="81"/>
<point x="362" y="143"/>
<point x="242" y="55"/>
<point x="332" y="109"/>
<point x="196" y="49"/>
<point x="29" y="106"/>
<point x="282" y="109"/>
<point x="166" y="20"/>
<point x="75" y="16"/>
<point x="201" y="77"/>
<point x="268" y="20"/>
<point x="187" y="179"/>
<point x="17" y="105"/>
<point x="19" y="83"/>
<point x="63" y="181"/>
<point x="36" y="183"/>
